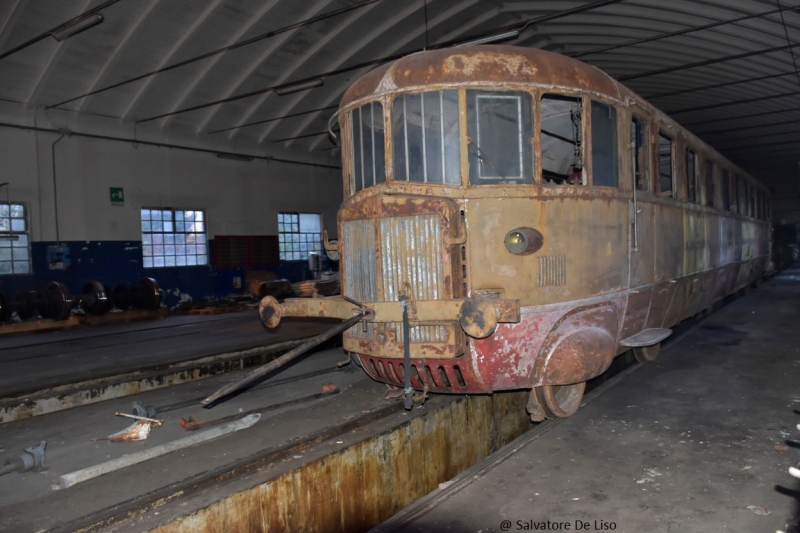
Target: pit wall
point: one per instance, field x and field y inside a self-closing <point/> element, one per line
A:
<point x="367" y="482"/>
<point x="239" y="198"/>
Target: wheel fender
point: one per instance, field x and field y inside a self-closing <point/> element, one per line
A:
<point x="580" y="346"/>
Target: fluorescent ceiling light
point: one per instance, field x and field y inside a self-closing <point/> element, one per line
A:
<point x="299" y="87"/>
<point x="235" y="157"/>
<point x="507" y="36"/>
<point x="76" y="27"/>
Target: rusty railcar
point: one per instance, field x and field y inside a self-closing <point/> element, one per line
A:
<point x="533" y="217"/>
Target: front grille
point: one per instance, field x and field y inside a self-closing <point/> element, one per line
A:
<point x="411" y="251"/>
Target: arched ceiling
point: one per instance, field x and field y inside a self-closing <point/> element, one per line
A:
<point x="726" y="69"/>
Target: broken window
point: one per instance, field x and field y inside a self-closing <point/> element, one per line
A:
<point x="425" y="134"/>
<point x="499" y="137"/>
<point x="562" y="140"/>
<point x="604" y="145"/>
<point x="665" y="171"/>
<point x="641" y="158"/>
<point x="368" y="160"/>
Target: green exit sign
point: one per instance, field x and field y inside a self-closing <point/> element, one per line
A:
<point x="117" y="196"/>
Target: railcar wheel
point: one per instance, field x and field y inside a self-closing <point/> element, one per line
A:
<point x="561" y="401"/>
<point x="647" y="354"/>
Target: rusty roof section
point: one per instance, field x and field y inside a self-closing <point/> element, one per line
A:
<point x="484" y="63"/>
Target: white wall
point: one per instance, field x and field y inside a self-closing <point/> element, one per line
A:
<point x="240" y="198"/>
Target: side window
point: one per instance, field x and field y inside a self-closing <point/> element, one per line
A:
<point x="368" y="161"/>
<point x="641" y="155"/>
<point x="665" y="170"/>
<point x="691" y="178"/>
<point x="15" y="248"/>
<point x="426" y="137"/>
<point x="734" y="198"/>
<point x="604" y="145"/>
<point x="726" y="188"/>
<point x="711" y="190"/>
<point x="500" y="130"/>
<point x="562" y="140"/>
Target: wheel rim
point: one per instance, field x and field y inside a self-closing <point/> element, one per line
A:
<point x="562" y="401"/>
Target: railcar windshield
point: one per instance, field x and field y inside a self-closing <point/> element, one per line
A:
<point x="500" y="137"/>
<point x="425" y="136"/>
<point x="368" y="154"/>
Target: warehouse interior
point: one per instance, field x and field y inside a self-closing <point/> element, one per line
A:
<point x="123" y="121"/>
<point x="208" y="79"/>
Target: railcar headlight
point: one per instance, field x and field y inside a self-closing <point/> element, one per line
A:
<point x="523" y="241"/>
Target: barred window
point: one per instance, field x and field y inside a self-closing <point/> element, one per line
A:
<point x="299" y="234"/>
<point x="173" y="237"/>
<point x="15" y="248"/>
<point x="368" y="158"/>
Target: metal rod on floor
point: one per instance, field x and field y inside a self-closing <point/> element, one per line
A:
<point x="282" y="360"/>
<point x="79" y="476"/>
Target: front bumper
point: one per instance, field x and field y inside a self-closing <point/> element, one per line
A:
<point x="478" y="317"/>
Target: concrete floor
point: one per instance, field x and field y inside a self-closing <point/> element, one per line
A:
<point x="37" y="361"/>
<point x="28" y="503"/>
<point x="699" y="441"/>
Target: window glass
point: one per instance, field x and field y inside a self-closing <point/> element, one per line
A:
<point x="733" y="199"/>
<point x="665" y="172"/>
<point x="604" y="145"/>
<point x="173" y="237"/>
<point x="15" y="249"/>
<point x="426" y="137"/>
<point x="742" y="189"/>
<point x="641" y="156"/>
<point x="711" y="190"/>
<point x="691" y="178"/>
<point x="562" y="140"/>
<point x="726" y="189"/>
<point x="298" y="235"/>
<point x="368" y="160"/>
<point x="500" y="132"/>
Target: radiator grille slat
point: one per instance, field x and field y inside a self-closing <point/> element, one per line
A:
<point x="551" y="271"/>
<point x="359" y="260"/>
<point x="412" y="251"/>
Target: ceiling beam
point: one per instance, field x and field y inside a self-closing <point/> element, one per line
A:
<point x="197" y="24"/>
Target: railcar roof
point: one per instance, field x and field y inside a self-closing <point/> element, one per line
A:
<point x="485" y="64"/>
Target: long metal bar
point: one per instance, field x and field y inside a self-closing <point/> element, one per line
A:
<point x="707" y="62"/>
<point x="561" y="14"/>
<point x="164" y="145"/>
<point x="282" y="360"/>
<point x="60" y="27"/>
<point x="684" y="31"/>
<point x="218" y="51"/>
<point x="317" y="134"/>
<point x="273" y="119"/>
<point x="735" y="102"/>
<point x="717" y="86"/>
<point x="750" y="115"/>
<point x="742" y="128"/>
<point x="409" y="390"/>
<point x="719" y="144"/>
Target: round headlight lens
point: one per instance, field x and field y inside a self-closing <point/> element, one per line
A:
<point x="523" y="241"/>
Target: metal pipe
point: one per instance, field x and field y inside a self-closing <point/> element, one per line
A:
<point x="55" y="187"/>
<point x="408" y="401"/>
<point x="79" y="476"/>
<point x="164" y="145"/>
<point x="282" y="360"/>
